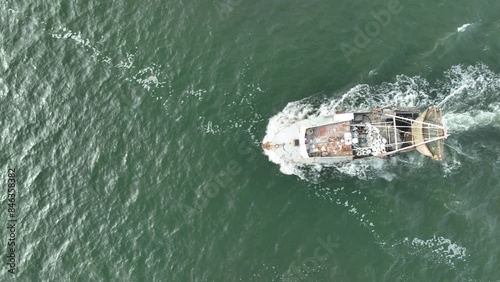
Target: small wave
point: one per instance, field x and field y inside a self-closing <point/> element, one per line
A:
<point x="209" y="127"/>
<point x="200" y="93"/>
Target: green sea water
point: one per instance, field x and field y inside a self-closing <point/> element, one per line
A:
<point x="134" y="128"/>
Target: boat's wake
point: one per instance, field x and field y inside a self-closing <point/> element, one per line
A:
<point x="468" y="96"/>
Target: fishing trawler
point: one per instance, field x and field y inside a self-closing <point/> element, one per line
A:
<point x="345" y="137"/>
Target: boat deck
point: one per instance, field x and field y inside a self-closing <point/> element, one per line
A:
<point x="331" y="140"/>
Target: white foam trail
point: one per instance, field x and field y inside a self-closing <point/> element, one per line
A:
<point x="463" y="28"/>
<point x="464" y="93"/>
<point x="450" y="166"/>
<point x="453" y="93"/>
<point x="446" y="250"/>
<point x="459" y="122"/>
<point x="3" y="59"/>
<point x="3" y="89"/>
<point x="467" y="88"/>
